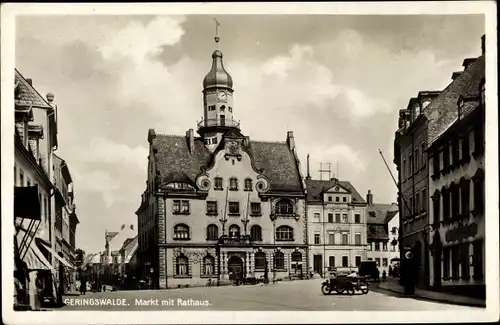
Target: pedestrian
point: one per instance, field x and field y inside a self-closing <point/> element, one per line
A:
<point x="83" y="284"/>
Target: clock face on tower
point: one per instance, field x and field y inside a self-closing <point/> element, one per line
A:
<point x="221" y="95"/>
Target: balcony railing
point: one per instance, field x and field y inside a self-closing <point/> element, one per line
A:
<point x="228" y="122"/>
<point x="242" y="240"/>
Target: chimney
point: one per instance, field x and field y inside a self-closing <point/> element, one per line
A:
<point x="308" y="172"/>
<point x="455" y="75"/>
<point x="29" y="81"/>
<point x="151" y="135"/>
<point x="468" y="62"/>
<point x="483" y="44"/>
<point x="190" y="140"/>
<point x="369" y="197"/>
<point x="290" y="140"/>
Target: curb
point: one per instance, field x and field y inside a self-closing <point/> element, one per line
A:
<point x="451" y="302"/>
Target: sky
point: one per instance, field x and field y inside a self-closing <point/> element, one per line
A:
<point x="337" y="82"/>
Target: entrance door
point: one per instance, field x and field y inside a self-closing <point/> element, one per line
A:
<point x="222" y="120"/>
<point x="235" y="268"/>
<point x="318" y="264"/>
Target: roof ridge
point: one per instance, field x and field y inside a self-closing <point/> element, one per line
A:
<point x="170" y="135"/>
<point x="263" y="141"/>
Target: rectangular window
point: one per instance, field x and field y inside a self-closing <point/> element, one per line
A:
<point x="329" y="199"/>
<point x="357" y="218"/>
<point x="233" y="184"/>
<point x="423" y="206"/>
<point x="345" y="261"/>
<point x="344" y="218"/>
<point x="417" y="203"/>
<point x="377" y="246"/>
<point x="316" y="239"/>
<point x="255" y="209"/>
<point x="369" y="246"/>
<point x="446" y="263"/>
<point x="218" y="183"/>
<point x="176" y="206"/>
<point x="357" y="239"/>
<point x="337" y="199"/>
<point x="404" y="169"/>
<point x="185" y="207"/>
<point x="234" y="208"/>
<point x="384" y="246"/>
<point x="358" y="261"/>
<point x="212" y="208"/>
<point x="28" y="182"/>
<point x="331" y="261"/>
<point x="435" y="165"/>
<point x="465" y="148"/>
<point x="423" y="155"/>
<point x="248" y="184"/>
<point x="330" y="217"/>
<point x="377" y="261"/>
<point x="344" y="199"/>
<point x="345" y="239"/>
<point x="410" y="165"/>
<point x="337" y="217"/>
<point x="331" y="239"/>
<point x="384" y="261"/>
<point x="316" y="216"/>
<point x="370" y="259"/>
<point x="455" y="262"/>
<point x="477" y="259"/>
<point x="15" y="175"/>
<point x="446" y="157"/>
<point x="417" y="160"/>
<point x="464" y="261"/>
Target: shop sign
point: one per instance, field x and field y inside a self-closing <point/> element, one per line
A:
<point x="461" y="232"/>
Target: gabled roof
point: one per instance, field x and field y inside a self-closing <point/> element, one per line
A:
<point x="316" y="187"/>
<point x="117" y="239"/>
<point x="443" y="110"/>
<point x="29" y="93"/>
<point x="175" y="163"/>
<point x="379" y="213"/>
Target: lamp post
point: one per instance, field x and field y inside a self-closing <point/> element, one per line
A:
<point x="274" y="256"/>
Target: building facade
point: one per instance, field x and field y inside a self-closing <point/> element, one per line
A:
<point x="456" y="154"/>
<point x="409" y="151"/>
<point x="219" y="205"/>
<point x="382" y="233"/>
<point x="336" y="215"/>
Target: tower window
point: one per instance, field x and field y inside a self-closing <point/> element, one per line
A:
<point x="211" y="108"/>
<point x="230" y="109"/>
<point x="222" y="108"/>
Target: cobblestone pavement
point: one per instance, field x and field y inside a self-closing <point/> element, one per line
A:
<point x="297" y="295"/>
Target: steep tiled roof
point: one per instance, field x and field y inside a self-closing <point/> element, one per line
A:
<point x="377" y="232"/>
<point x="316" y="187"/>
<point x="28" y="93"/>
<point x="379" y="213"/>
<point x="176" y="163"/>
<point x="443" y="110"/>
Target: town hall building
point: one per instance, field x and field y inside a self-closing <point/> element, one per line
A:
<point x="218" y="205"/>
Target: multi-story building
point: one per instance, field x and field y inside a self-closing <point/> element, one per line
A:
<point x="114" y="243"/>
<point x="382" y="233"/>
<point x="336" y="215"/>
<point x="34" y="135"/>
<point x="219" y="205"/>
<point x="456" y="154"/>
<point x="409" y="156"/>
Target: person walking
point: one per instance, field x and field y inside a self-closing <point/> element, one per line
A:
<point x="83" y="284"/>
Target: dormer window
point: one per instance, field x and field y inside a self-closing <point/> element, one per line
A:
<point x="283" y="207"/>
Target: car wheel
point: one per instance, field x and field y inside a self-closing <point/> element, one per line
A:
<point x="325" y="289"/>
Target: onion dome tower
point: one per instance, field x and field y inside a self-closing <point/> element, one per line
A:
<point x="217" y="100"/>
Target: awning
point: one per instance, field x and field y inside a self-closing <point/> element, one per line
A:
<point x="33" y="257"/>
<point x="64" y="261"/>
<point x="27" y="203"/>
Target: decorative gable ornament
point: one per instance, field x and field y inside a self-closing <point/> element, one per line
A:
<point x="233" y="149"/>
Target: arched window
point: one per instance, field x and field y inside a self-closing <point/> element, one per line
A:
<point x="181" y="265"/>
<point x="212" y="232"/>
<point x="284" y="233"/>
<point x="208" y="266"/>
<point x="260" y="261"/>
<point x="181" y="232"/>
<point x="248" y="184"/>
<point x="296" y="257"/>
<point x="256" y="233"/>
<point x="279" y="261"/>
<point x="222" y="108"/>
<point x="233" y="184"/>
<point x="234" y="231"/>
<point x="283" y="207"/>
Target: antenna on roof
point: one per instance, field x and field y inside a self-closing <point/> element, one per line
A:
<point x="321" y="170"/>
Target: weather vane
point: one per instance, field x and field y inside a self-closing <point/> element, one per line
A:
<point x="217" y="38"/>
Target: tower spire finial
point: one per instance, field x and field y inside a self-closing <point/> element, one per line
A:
<point x="216" y="38"/>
